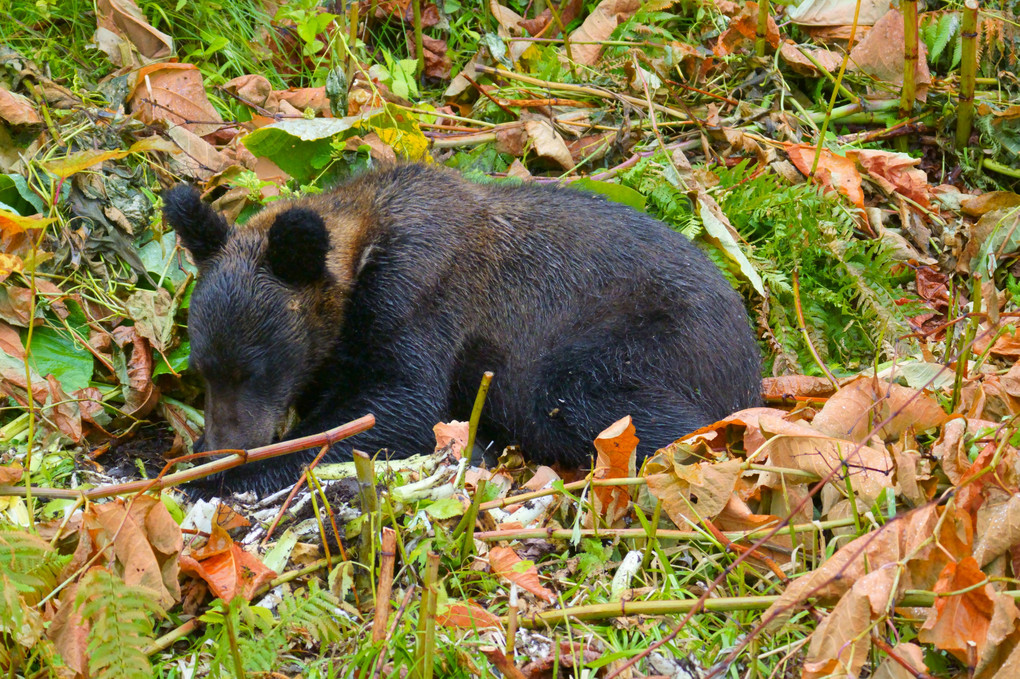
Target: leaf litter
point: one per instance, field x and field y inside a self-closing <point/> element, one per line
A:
<point x="863" y="522"/>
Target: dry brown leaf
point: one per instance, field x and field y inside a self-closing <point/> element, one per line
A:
<point x="504" y="562"/>
<point x="841" y="643"/>
<point x="10" y="342"/>
<point x="962" y="618"/>
<point x="70" y="633"/>
<point x="998" y="530"/>
<point x="568" y="11"/>
<point x="175" y="94"/>
<point x="17" y="109"/>
<point x="873" y="55"/>
<point x="145" y="543"/>
<point x="140" y="393"/>
<point x="795" y="386"/>
<point x="834" y="173"/>
<point x="905" y="538"/>
<point x="121" y="20"/>
<point x="837" y="12"/>
<point x="865" y="402"/>
<point x="617" y="447"/>
<point x="691" y="493"/>
<point x="226" y="568"/>
<point x="599" y="25"/>
<point x="10" y="474"/>
<point x="453" y="435"/>
<point x="793" y="55"/>
<point x="743" y="28"/>
<point x="978" y="206"/>
<point x="195" y="157"/>
<point x="466" y="615"/>
<point x="911" y="654"/>
<point x="547" y="143"/>
<point x="896" y="172"/>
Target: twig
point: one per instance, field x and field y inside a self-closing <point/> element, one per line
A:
<point x="238" y="458"/>
<point x="387" y="557"/>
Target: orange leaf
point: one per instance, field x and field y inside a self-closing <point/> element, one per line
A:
<point x="466" y="615"/>
<point x="960" y="619"/>
<point x="833" y="173"/>
<point x="11" y="473"/>
<point x="226" y="567"/>
<point x="505" y="562"/>
<point x="616" y="446"/>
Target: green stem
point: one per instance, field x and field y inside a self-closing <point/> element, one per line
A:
<point x="968" y="69"/>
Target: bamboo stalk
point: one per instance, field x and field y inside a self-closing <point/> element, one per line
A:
<point x="968" y="69"/>
<point x="763" y="27"/>
<point x="910" y="54"/>
<point x="476" y="414"/>
<point x="426" y="632"/>
<point x="387" y="557"/>
<point x="419" y="41"/>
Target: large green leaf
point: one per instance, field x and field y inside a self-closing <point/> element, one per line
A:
<point x="618" y="193"/>
<point x="55" y="353"/>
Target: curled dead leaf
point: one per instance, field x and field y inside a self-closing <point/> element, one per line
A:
<point x="504" y="562"/>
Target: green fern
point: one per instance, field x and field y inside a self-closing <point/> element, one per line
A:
<point x="262" y="639"/>
<point x="847" y="288"/>
<point x="120" y="625"/>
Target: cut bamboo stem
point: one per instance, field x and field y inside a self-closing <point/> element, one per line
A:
<point x="761" y="34"/>
<point x="968" y="69"/>
<point x="387" y="558"/>
<point x="419" y="41"/>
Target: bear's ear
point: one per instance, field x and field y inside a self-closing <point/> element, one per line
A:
<point x="298" y="245"/>
<point x="203" y="232"/>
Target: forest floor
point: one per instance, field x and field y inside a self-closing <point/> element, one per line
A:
<point x="851" y="168"/>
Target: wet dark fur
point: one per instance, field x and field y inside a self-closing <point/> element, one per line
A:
<point x="392" y="294"/>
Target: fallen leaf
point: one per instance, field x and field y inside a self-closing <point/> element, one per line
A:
<point x="76" y="162"/>
<point x="226" y="568"/>
<point x="616" y="447"/>
<point x="547" y="143"/>
<point x="908" y="537"/>
<point x="504" y="562"/>
<point x="692" y="493"/>
<point x="795" y="387"/>
<point x="864" y="403"/>
<point x="896" y="172"/>
<point x="960" y="619"/>
<point x="70" y="633"/>
<point x="905" y="652"/>
<point x="10" y="474"/>
<point x="121" y="20"/>
<point x="139" y="541"/>
<point x="998" y="530"/>
<point x="568" y="11"/>
<point x="793" y="54"/>
<point x="141" y="394"/>
<point x="597" y="28"/>
<point x="466" y="615"/>
<point x="873" y="56"/>
<point x="743" y="28"/>
<point x="17" y="109"/>
<point x="174" y="93"/>
<point x="837" y="12"/>
<point x="453" y="435"/>
<point x="841" y="644"/>
<point x="834" y="173"/>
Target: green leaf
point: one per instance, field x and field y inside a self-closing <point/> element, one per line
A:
<point x="302" y="147"/>
<point x="15" y="194"/>
<point x="721" y="235"/>
<point x="178" y="360"/>
<point x="446" y="508"/>
<point x="54" y="353"/>
<point x="948" y="26"/>
<point x="618" y="193"/>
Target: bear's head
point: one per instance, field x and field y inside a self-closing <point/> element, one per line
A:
<point x="262" y="315"/>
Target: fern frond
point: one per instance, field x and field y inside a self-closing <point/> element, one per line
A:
<point x="313" y="611"/>
<point x="120" y="625"/>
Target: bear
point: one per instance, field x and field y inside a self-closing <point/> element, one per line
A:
<point x="393" y="292"/>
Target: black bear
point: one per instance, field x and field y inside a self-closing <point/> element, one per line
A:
<point x="392" y="293"/>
